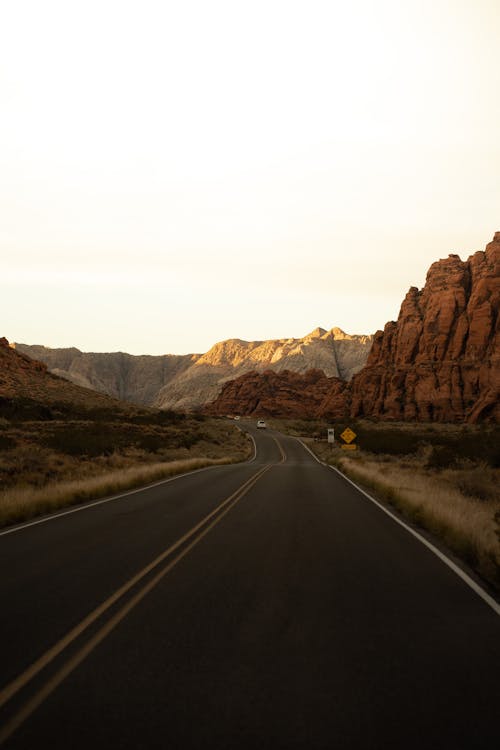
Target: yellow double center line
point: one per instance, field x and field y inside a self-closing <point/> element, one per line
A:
<point x="186" y="542"/>
<point x="280" y="448"/>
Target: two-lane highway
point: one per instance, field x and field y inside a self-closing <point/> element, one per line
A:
<point x="262" y="605"/>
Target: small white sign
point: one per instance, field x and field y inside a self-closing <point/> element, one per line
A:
<point x="331" y="435"/>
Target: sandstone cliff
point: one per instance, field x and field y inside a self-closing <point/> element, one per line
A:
<point x="441" y="360"/>
<point x="189" y="381"/>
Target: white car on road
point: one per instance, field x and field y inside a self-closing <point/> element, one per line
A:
<point x="261" y="425"/>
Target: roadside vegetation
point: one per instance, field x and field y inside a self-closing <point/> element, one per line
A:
<point x="442" y="478"/>
<point x="60" y="455"/>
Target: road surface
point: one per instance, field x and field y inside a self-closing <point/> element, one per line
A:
<point x="260" y="605"/>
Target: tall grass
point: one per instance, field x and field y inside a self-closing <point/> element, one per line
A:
<point x="22" y="503"/>
<point x="460" y="507"/>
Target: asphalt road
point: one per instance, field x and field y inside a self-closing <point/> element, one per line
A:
<point x="260" y="605"/>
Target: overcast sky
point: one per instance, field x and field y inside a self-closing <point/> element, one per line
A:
<point x="177" y="173"/>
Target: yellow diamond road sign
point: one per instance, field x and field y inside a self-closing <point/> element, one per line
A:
<point x="348" y="435"/>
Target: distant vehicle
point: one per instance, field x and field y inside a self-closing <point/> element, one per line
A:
<point x="261" y="425"/>
<point x="237" y="416"/>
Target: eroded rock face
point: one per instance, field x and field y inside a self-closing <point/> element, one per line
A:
<point x="441" y="360"/>
<point x="280" y="394"/>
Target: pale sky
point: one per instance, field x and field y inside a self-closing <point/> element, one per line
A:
<point x="173" y="174"/>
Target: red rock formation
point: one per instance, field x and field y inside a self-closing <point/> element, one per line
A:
<point x="284" y="394"/>
<point x="336" y="403"/>
<point x="14" y="362"/>
<point x="440" y="361"/>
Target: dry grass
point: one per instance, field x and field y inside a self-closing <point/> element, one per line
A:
<point x="478" y="481"/>
<point x="61" y="444"/>
<point x="48" y="463"/>
<point x="23" y="503"/>
<point x="457" y="506"/>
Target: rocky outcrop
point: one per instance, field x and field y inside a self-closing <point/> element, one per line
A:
<point x="279" y="394"/>
<point x="441" y="360"/>
<point x="189" y="381"/>
<point x="13" y="361"/>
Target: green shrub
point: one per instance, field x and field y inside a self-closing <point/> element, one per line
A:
<point x="82" y="442"/>
<point x="21" y="409"/>
<point x="440" y="457"/>
<point x="151" y="442"/>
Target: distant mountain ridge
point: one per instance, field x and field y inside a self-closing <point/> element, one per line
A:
<point x="128" y="377"/>
<point x="23" y="378"/>
<point x="189" y="381"/>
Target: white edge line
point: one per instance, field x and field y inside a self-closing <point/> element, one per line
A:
<point x="495" y="606"/>
<point x="92" y="504"/>
<point x="310" y="451"/>
<point x="251" y="460"/>
<point x="254" y="448"/>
